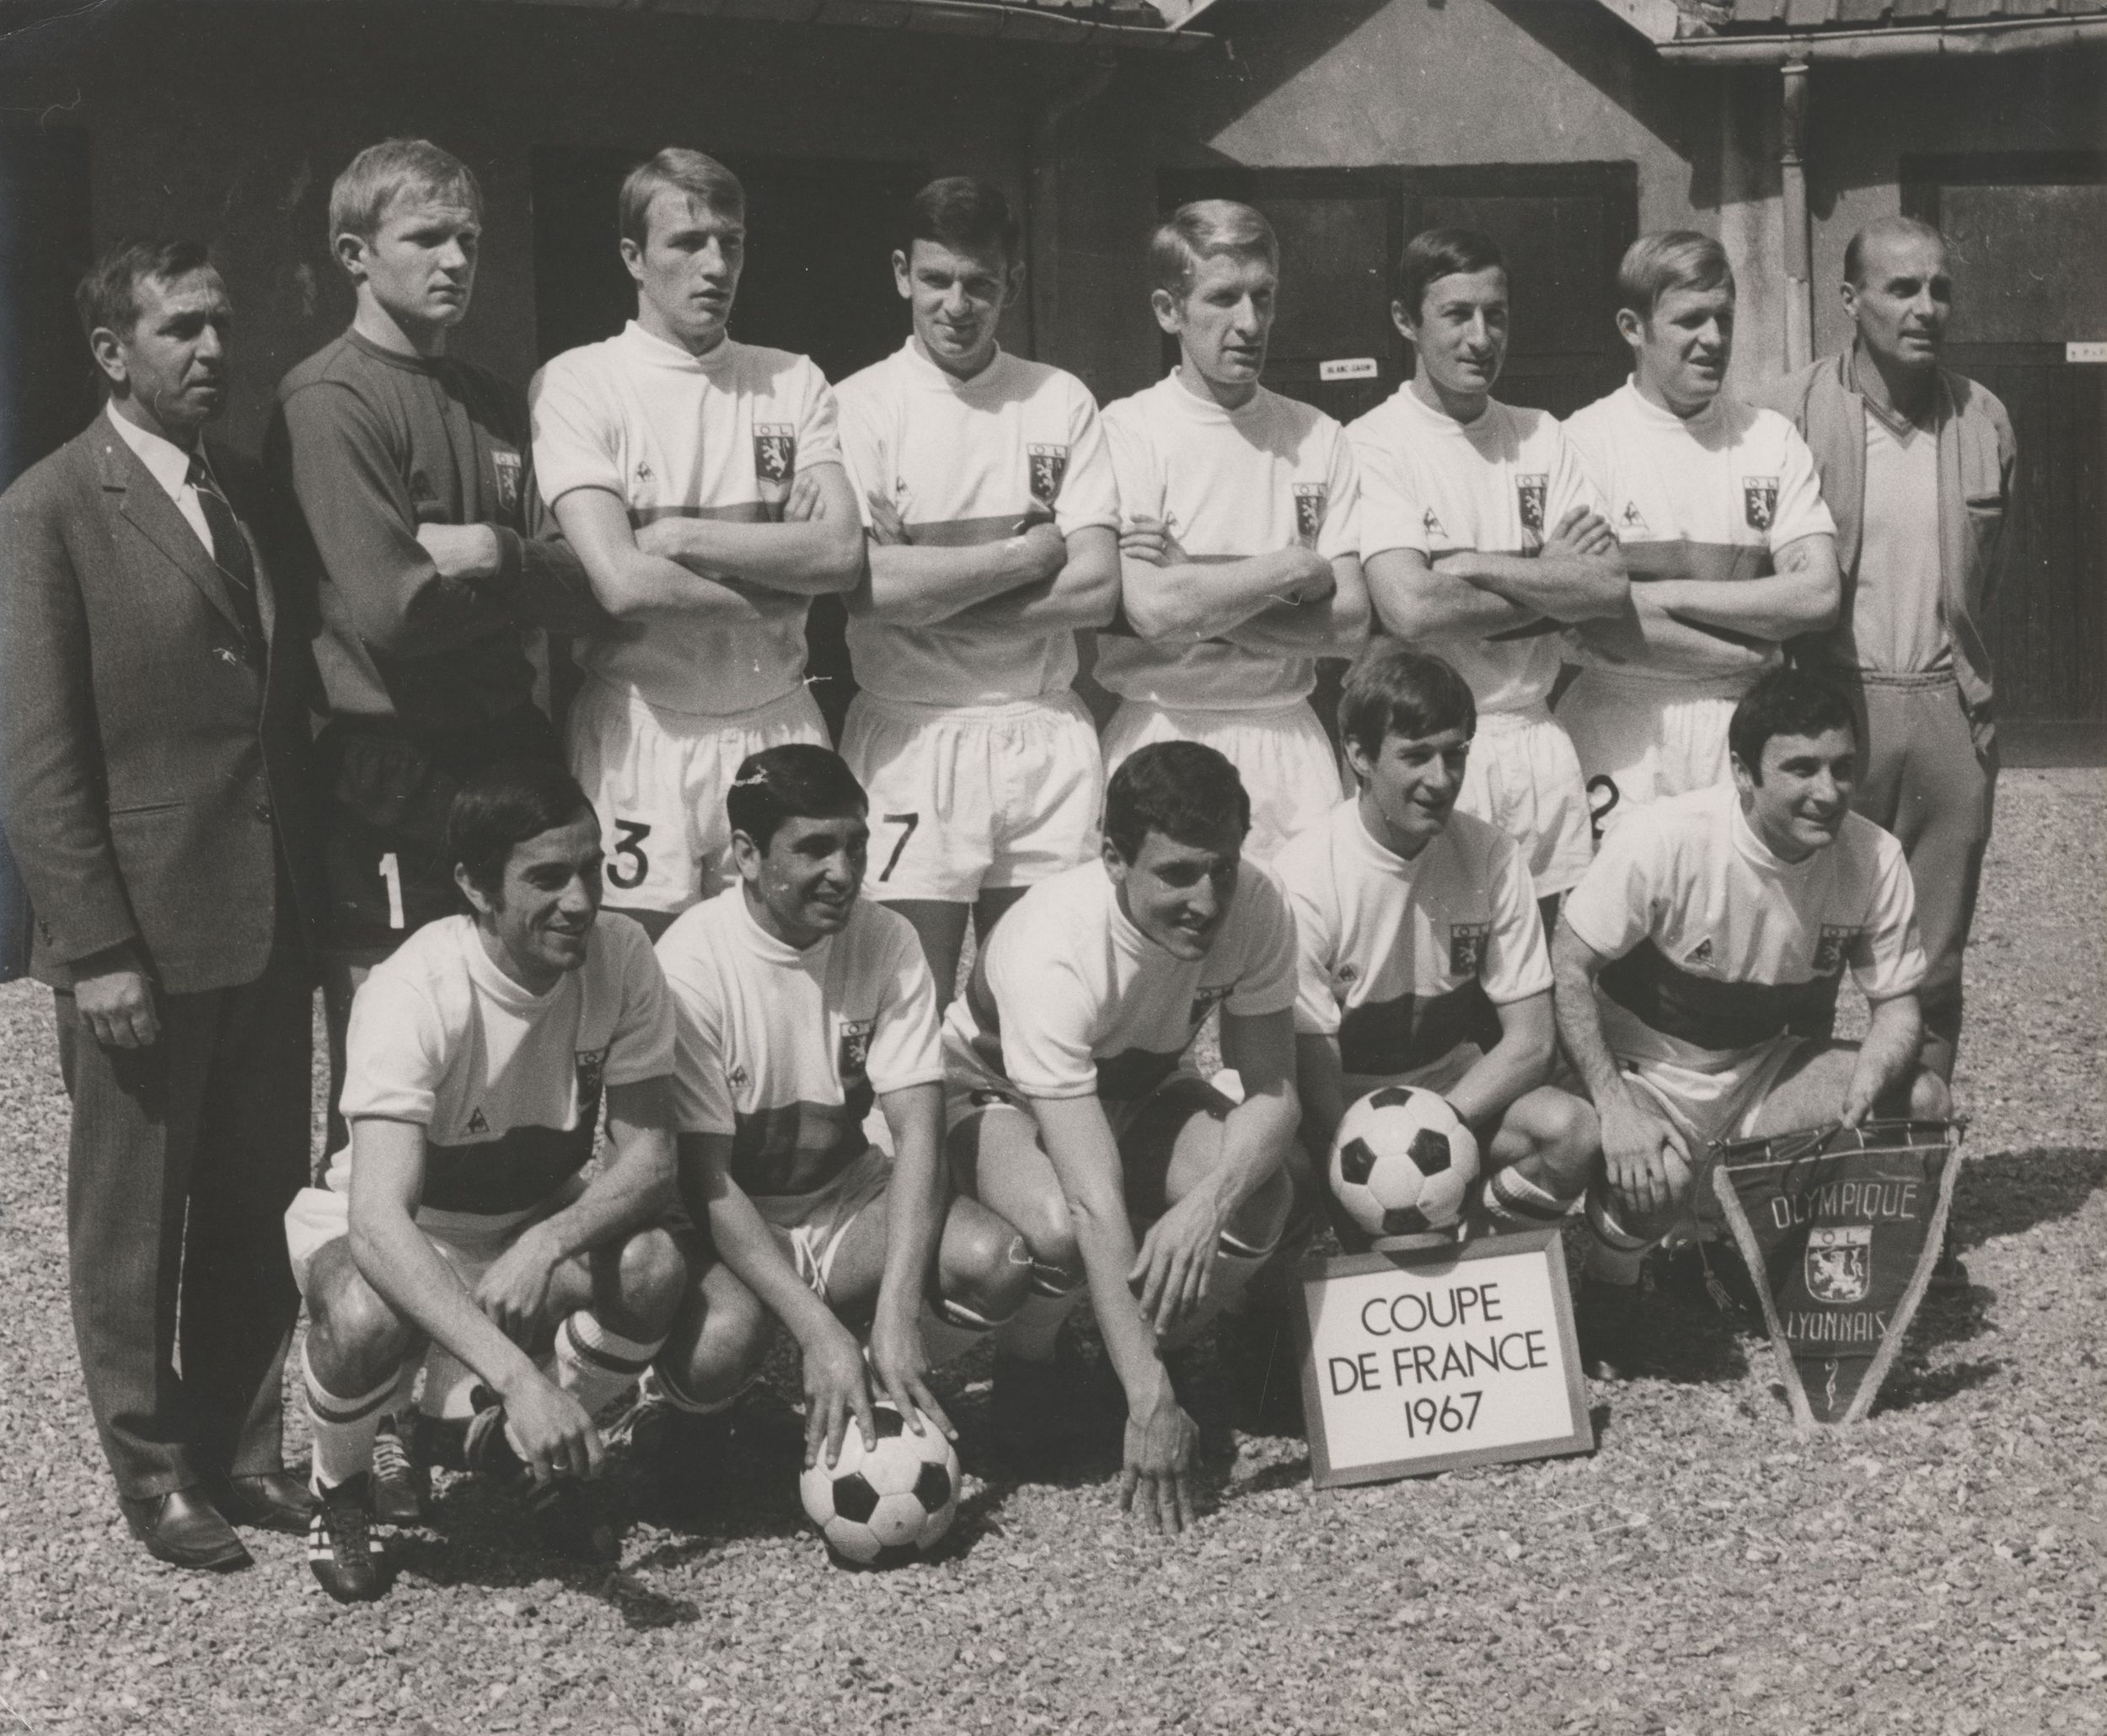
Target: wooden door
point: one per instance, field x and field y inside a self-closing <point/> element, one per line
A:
<point x="2027" y="239"/>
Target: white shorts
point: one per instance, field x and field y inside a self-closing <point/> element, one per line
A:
<point x="972" y="801"/>
<point x="1710" y="1107"/>
<point x="1524" y="778"/>
<point x="658" y="778"/>
<point x="814" y="1224"/>
<point x="1283" y="756"/>
<point x="1639" y="739"/>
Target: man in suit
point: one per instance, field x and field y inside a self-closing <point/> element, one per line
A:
<point x="154" y="734"/>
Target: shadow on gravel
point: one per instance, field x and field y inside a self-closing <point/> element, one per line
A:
<point x="2003" y="1193"/>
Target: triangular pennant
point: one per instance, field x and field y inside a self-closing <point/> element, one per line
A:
<point x="1840" y="1228"/>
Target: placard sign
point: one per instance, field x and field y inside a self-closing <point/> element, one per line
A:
<point x="1422" y="1360"/>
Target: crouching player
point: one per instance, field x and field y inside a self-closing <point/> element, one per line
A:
<point x="1423" y="956"/>
<point x="1712" y="928"/>
<point x="1071" y="1116"/>
<point x="476" y="1060"/>
<point x="798" y="1003"/>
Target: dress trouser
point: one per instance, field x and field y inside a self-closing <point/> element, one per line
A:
<point x="1922" y="776"/>
<point x="183" y="1157"/>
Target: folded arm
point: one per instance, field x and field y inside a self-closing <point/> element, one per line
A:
<point x="1167" y="595"/>
<point x="810" y="552"/>
<point x="1083" y="593"/>
<point x="1802" y="596"/>
<point x="1325" y="626"/>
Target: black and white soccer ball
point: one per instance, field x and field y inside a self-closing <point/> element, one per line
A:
<point x="893" y="1501"/>
<point x="1403" y="1162"/>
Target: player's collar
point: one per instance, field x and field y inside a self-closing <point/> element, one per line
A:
<point x="649" y="347"/>
<point x="927" y="373"/>
<point x="766" y="946"/>
<point x="1380" y="854"/>
<point x="1757" y="852"/>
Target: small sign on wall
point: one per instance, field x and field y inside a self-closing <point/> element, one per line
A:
<point x="1422" y="1360"/>
<point x="1353" y="367"/>
<point x="2085" y="352"/>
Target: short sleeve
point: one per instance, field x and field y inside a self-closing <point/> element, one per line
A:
<point x="1888" y="959"/>
<point x="1089" y="491"/>
<point x="576" y="438"/>
<point x="1584" y="438"/>
<point x="1316" y="1008"/>
<point x="1517" y="957"/>
<point x="863" y="452"/>
<point x="702" y="1092"/>
<point x="1043" y="1012"/>
<point x="818" y="418"/>
<point x="1612" y="907"/>
<point x="642" y="1046"/>
<point x="1137" y="470"/>
<point x="1339" y="537"/>
<point x="907" y="1043"/>
<point x="1570" y="486"/>
<point x="395" y="1053"/>
<point x="1801" y="511"/>
<point x="1390" y="517"/>
<point x="1268" y="981"/>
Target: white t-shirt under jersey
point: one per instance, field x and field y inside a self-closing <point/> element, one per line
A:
<point x="965" y="463"/>
<point x="785" y="1051"/>
<point x="672" y="435"/>
<point x="1717" y="496"/>
<point x="1067" y="997"/>
<point x="1402" y="960"/>
<point x="1229" y="485"/>
<point x="1718" y="945"/>
<point x="1498" y="485"/>
<point x="506" y="1084"/>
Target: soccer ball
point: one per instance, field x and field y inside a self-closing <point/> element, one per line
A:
<point x="880" y="1506"/>
<point x="1403" y="1162"/>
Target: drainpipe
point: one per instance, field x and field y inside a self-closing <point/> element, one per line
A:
<point x="1043" y="203"/>
<point x="1799" y="273"/>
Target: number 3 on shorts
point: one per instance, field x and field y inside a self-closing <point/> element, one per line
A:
<point x="626" y="872"/>
<point x="907" y="823"/>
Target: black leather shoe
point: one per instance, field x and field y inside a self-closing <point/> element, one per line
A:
<point x="276" y="1498"/>
<point x="183" y="1527"/>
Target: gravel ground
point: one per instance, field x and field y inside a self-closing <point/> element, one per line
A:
<point x="1708" y="1569"/>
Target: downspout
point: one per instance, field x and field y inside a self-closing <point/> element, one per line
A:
<point x="1043" y="199"/>
<point x="1799" y="273"/>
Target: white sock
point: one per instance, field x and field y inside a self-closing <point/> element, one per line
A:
<point x="1615" y="1254"/>
<point x="1516" y="1202"/>
<point x="655" y="1383"/>
<point x="950" y="1329"/>
<point x="344" y="1427"/>
<point x="596" y="1364"/>
<point x="1029" y="1333"/>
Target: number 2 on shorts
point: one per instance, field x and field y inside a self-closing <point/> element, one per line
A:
<point x="907" y="823"/>
<point x="629" y="848"/>
<point x="391" y="877"/>
<point x="1600" y="812"/>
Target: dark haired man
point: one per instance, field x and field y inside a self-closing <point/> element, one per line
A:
<point x="1722" y="528"/>
<point x="994" y="520"/>
<point x="799" y="1006"/>
<point x="155" y="741"/>
<point x="1480" y="538"/>
<point x="1917" y="463"/>
<point x="700" y="479"/>
<point x="1714" y="928"/>
<point x="457" y="1217"/>
<point x="1072" y="1118"/>
<point x="1423" y="959"/>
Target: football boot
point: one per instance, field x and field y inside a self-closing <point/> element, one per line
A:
<point x="343" y="1554"/>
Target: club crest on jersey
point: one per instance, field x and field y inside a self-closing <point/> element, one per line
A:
<point x="854" y="1055"/>
<point x="775" y="451"/>
<point x="1308" y="511"/>
<point x="1466" y="947"/>
<point x="1759" y="501"/>
<point x="1531" y="493"/>
<point x="505" y="470"/>
<point x="1049" y="468"/>
<point x="592" y="1068"/>
<point x="1839" y="1267"/>
<point x="1833" y="951"/>
<point x="1205" y="1002"/>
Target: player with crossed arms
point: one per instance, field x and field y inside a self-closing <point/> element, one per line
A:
<point x="1423" y="959"/>
<point x="1072" y="1115"/>
<point x="700" y="479"/>
<point x="993" y="522"/>
<point x="1712" y="927"/>
<point x="1241" y="553"/>
<point x="799" y="1004"/>
<point x="478" y="1055"/>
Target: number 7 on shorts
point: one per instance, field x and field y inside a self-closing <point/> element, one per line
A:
<point x="907" y="823"/>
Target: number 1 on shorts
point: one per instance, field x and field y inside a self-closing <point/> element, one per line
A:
<point x="391" y="877"/>
<point x="907" y="823"/>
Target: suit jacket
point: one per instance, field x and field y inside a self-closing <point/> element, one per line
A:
<point x="152" y="779"/>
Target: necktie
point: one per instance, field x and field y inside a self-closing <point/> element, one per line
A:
<point x="230" y="554"/>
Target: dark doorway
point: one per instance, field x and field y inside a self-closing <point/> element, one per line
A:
<point x="47" y="383"/>
<point x="2026" y="334"/>
<point x="818" y="281"/>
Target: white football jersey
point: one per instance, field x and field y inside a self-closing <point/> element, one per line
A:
<point x="1716" y="496"/>
<point x="785" y="1051"/>
<point x="506" y="1084"/>
<point x="1498" y="485"/>
<point x="1402" y="960"/>
<point x="1070" y="998"/>
<point x="672" y="435"/>
<point x="1718" y="945"/>
<point x="1229" y="485"/>
<point x="966" y="463"/>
